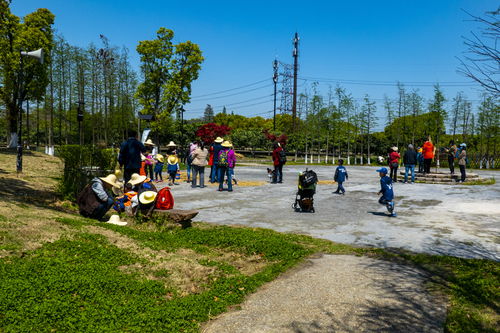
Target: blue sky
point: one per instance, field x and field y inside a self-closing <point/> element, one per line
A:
<point x="379" y="41"/>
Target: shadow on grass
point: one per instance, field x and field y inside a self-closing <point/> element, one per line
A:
<point x="19" y="192"/>
<point x="461" y="249"/>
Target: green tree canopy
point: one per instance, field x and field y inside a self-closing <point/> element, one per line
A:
<point x="168" y="71"/>
<point x="34" y="31"/>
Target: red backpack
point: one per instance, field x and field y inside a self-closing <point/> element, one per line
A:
<point x="164" y="199"/>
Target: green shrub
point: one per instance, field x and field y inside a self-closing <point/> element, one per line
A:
<point x="81" y="164"/>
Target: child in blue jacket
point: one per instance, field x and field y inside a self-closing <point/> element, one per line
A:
<point x="387" y="191"/>
<point x="340" y="177"/>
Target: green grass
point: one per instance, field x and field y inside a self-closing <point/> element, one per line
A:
<point x="76" y="284"/>
<point x="487" y="181"/>
<point x="472" y="287"/>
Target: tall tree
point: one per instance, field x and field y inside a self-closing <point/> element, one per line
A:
<point x="16" y="35"/>
<point x="455" y="113"/>
<point x="415" y="106"/>
<point x="482" y="58"/>
<point x="168" y="71"/>
<point x="439" y="114"/>
<point x="208" y="115"/>
<point x="488" y="124"/>
<point x="368" y="121"/>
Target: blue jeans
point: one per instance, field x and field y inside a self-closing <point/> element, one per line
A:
<point x="102" y="209"/>
<point x="389" y="204"/>
<point x="188" y="172"/>
<point x="412" y="168"/>
<point x="228" y="172"/>
<point x="215" y="173"/>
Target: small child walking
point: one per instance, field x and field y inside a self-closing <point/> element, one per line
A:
<point x="386" y="189"/>
<point x="159" y="167"/>
<point x="172" y="168"/>
<point x="340" y="177"/>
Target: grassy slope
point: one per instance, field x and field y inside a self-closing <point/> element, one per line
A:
<point x="61" y="272"/>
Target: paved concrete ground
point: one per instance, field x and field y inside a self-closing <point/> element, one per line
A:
<point x="444" y="219"/>
<point x="323" y="296"/>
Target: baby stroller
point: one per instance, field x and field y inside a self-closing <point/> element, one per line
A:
<point x="304" y="201"/>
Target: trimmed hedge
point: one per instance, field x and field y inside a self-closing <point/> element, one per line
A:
<point x="81" y="164"/>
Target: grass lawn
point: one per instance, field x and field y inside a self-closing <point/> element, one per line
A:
<point x="60" y="272"/>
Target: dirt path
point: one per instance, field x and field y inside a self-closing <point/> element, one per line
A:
<point x="339" y="293"/>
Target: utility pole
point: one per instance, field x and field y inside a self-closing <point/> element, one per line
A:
<point x="275" y="80"/>
<point x="295" y="68"/>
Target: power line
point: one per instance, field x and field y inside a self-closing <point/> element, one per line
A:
<point x="237" y="103"/>
<point x="389" y="83"/>
<point x="224" y="91"/>
<point x="233" y="94"/>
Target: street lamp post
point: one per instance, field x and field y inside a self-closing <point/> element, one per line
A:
<point x="38" y="54"/>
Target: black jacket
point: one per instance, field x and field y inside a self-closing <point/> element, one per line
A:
<point x="130" y="153"/>
<point x="410" y="157"/>
<point x="217" y="149"/>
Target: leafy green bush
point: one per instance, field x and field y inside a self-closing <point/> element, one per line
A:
<point x="81" y="164"/>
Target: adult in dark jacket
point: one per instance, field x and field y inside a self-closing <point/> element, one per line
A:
<point x="451" y="152"/>
<point x="96" y="199"/>
<point x="410" y="160"/>
<point x="278" y="163"/>
<point x="130" y="155"/>
<point x="216" y="148"/>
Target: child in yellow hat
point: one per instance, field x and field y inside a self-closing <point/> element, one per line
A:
<point x="159" y="167"/>
<point x="172" y="168"/>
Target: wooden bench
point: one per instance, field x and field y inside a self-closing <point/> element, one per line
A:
<point x="181" y="216"/>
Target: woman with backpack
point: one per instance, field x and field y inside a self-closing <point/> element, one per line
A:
<point x="279" y="159"/>
<point x="226" y="162"/>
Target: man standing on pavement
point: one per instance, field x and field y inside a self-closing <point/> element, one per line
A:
<point x="410" y="160"/>
<point x="130" y="155"/>
<point x="217" y="147"/>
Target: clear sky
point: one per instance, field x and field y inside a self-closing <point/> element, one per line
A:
<point x="378" y="41"/>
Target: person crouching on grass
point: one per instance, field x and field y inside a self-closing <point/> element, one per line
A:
<point x="387" y="192"/>
<point x="340" y="177"/>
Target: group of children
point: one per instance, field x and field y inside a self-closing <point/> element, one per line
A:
<point x="386" y="188"/>
<point x="151" y="158"/>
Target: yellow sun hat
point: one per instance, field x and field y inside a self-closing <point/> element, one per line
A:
<point x="136" y="179"/>
<point x="111" y="180"/>
<point x="160" y="158"/>
<point x="115" y="219"/>
<point x="172" y="159"/>
<point x="147" y="197"/>
<point x="219" y="140"/>
<point x="227" y="144"/>
<point x="149" y="142"/>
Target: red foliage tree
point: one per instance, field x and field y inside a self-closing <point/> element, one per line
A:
<point x="282" y="139"/>
<point x="209" y="132"/>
